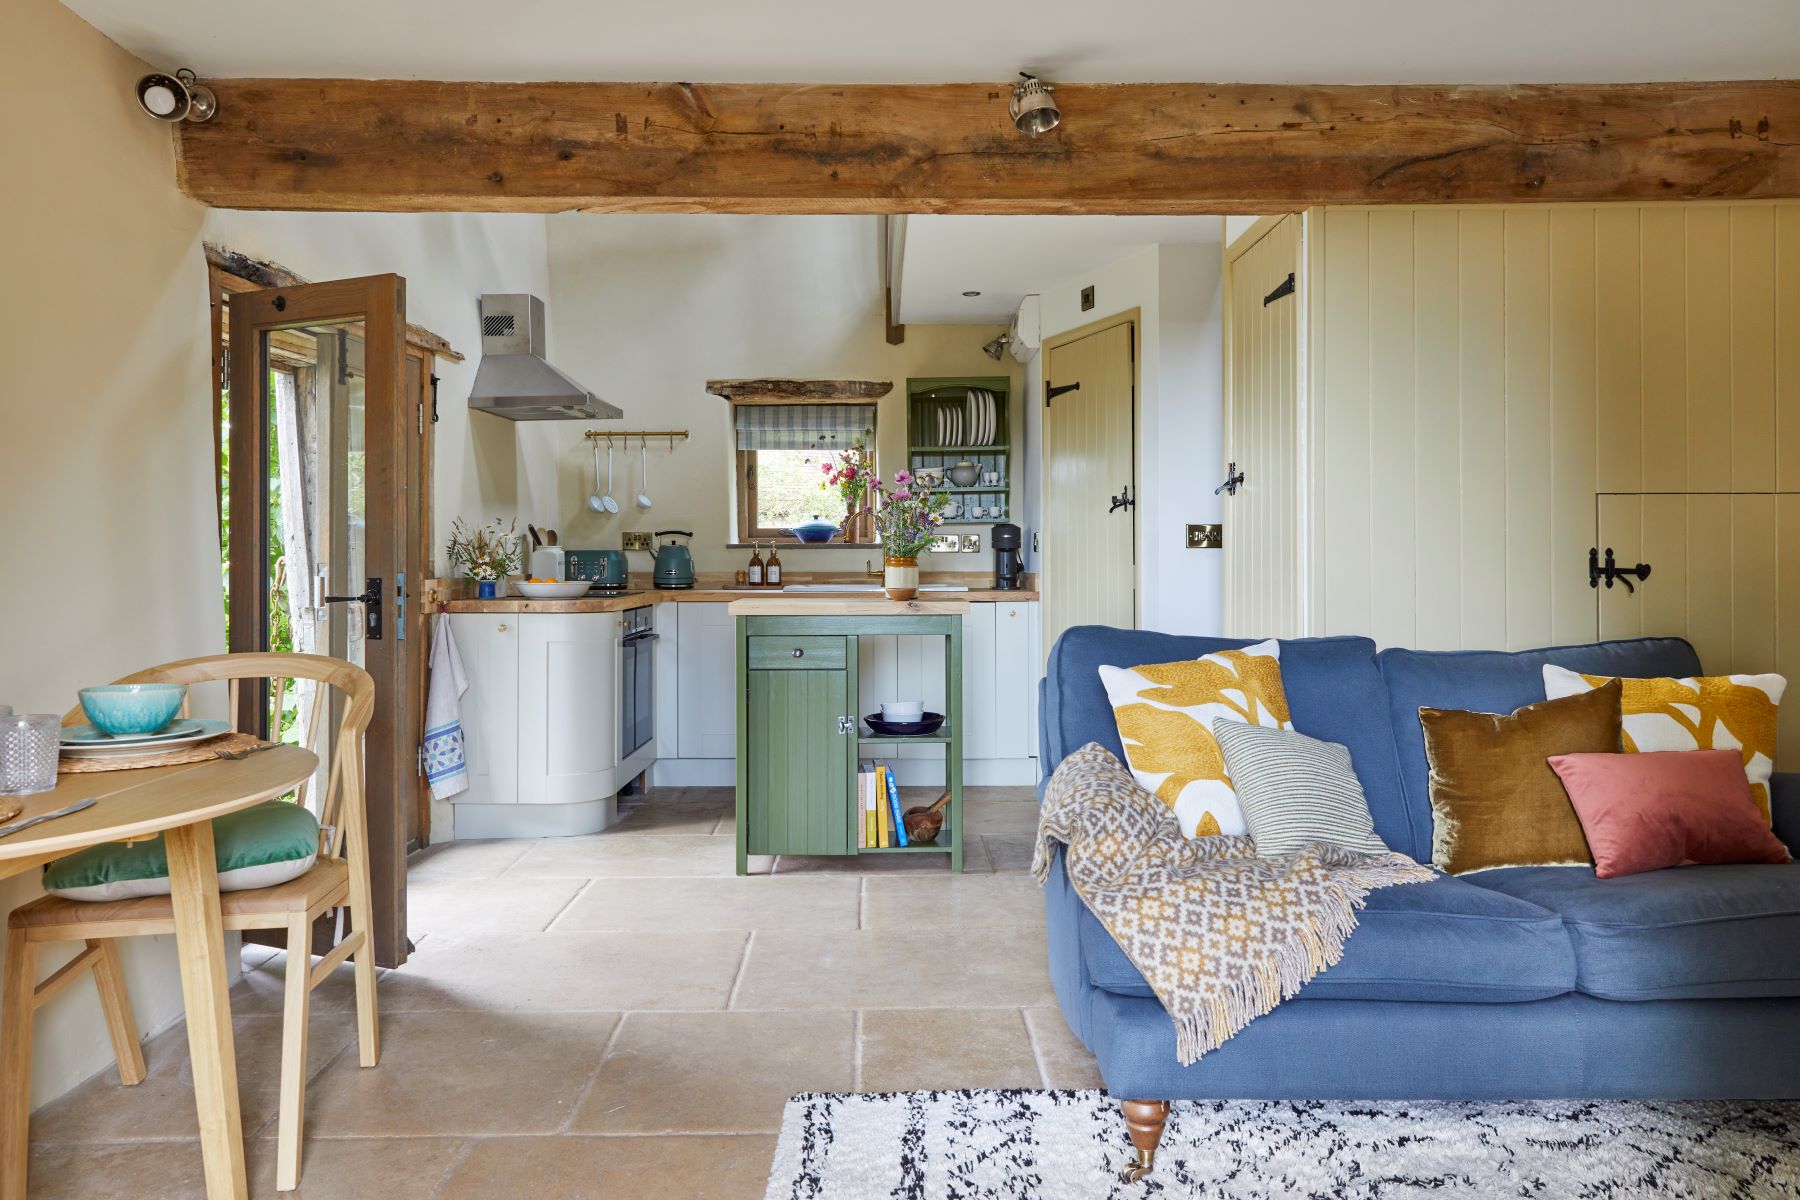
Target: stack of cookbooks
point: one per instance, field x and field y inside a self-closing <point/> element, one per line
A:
<point x="878" y="806"/>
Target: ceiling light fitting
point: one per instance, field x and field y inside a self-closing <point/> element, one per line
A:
<point x="1033" y="109"/>
<point x="177" y="97"/>
<point x="970" y="295"/>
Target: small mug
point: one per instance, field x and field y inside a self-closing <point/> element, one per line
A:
<point x="978" y="511"/>
<point x="953" y="509"/>
<point x="997" y="511"/>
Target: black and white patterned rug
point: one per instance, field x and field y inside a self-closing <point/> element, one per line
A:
<point x="1021" y="1145"/>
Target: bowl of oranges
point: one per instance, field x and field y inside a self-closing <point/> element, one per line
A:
<point x="550" y="589"/>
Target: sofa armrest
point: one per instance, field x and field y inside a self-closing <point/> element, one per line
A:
<point x="1784" y="808"/>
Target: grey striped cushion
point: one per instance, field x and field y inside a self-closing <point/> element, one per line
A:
<point x="1295" y="789"/>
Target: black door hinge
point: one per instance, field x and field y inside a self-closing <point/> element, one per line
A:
<point x="1284" y="288"/>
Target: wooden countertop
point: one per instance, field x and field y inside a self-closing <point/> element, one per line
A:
<point x="798" y="602"/>
<point x="814" y="604"/>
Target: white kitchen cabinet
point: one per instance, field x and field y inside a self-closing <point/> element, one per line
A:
<point x="568" y="706"/>
<point x="540" y="723"/>
<point x="1013" y="705"/>
<point x="705" y="681"/>
<point x="489" y="646"/>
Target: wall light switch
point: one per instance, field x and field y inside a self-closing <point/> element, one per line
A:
<point x="1205" y="537"/>
<point x="1087" y="298"/>
<point x="637" y="541"/>
<point x="971" y="543"/>
<point x="946" y="543"/>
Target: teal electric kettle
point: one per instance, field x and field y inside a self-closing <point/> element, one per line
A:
<point x="674" y="563"/>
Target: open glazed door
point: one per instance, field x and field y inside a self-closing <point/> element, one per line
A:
<point x="325" y="506"/>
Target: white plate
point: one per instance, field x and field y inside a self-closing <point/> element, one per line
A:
<point x="98" y="745"/>
<point x="551" y="591"/>
<point x="990" y="402"/>
<point x="89" y="735"/>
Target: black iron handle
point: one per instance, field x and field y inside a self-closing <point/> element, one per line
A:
<point x="1612" y="572"/>
<point x="1122" y="500"/>
<point x="1234" y="479"/>
<point x="371" y="602"/>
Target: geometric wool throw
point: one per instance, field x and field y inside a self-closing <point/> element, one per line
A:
<point x="1221" y="935"/>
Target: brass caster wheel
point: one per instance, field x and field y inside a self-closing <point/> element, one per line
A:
<point x="1146" y="1161"/>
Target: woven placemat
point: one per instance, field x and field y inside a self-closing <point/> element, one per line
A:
<point x="9" y="809"/>
<point x="198" y="752"/>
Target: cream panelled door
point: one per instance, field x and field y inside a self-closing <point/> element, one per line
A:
<point x="1264" y="579"/>
<point x="1089" y="574"/>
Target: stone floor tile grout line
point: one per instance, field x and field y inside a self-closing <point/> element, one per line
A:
<point x="1037" y="1053"/>
<point x="453" y="1166"/>
<point x="587" y="1088"/>
<point x="579" y="893"/>
<point x="856" y="1061"/>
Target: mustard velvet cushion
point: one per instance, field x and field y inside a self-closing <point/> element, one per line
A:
<point x="1165" y="713"/>
<point x="1712" y="712"/>
<point x="259" y="847"/>
<point x="1495" y="800"/>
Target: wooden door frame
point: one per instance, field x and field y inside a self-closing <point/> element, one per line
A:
<point x="1134" y="318"/>
<point x="390" y="745"/>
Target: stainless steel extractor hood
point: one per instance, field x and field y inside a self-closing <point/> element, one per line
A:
<point x="514" y="380"/>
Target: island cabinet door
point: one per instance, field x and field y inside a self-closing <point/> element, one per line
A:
<point x="799" y="762"/>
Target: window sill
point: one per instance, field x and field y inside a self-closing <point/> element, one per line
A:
<point x="796" y="544"/>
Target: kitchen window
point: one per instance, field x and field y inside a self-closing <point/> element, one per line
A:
<point x="782" y="450"/>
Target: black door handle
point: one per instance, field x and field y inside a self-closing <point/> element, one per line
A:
<point x="1234" y="479"/>
<point x="371" y="602"/>
<point x="1122" y="500"/>
<point x="1612" y="572"/>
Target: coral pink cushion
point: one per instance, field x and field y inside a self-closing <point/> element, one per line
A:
<point x="1670" y="808"/>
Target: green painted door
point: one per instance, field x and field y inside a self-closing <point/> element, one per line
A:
<point x="799" y="761"/>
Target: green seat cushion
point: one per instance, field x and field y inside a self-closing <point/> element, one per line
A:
<point x="259" y="847"/>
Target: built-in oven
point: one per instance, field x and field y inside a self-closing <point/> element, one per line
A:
<point x="637" y="679"/>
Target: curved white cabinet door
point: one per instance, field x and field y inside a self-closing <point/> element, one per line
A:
<point x="489" y="646"/>
<point x="568" y="707"/>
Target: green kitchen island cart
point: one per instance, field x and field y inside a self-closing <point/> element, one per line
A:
<point x="798" y="730"/>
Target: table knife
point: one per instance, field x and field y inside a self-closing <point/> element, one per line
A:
<point x="76" y="807"/>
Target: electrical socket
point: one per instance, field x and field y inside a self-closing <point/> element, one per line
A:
<point x="637" y="541"/>
<point x="946" y="543"/>
<point x="971" y="543"/>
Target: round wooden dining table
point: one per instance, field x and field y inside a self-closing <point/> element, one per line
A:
<point x="179" y="803"/>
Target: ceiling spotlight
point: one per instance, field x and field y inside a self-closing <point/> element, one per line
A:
<point x="177" y="97"/>
<point x="1033" y="110"/>
<point x="997" y="347"/>
<point x="970" y="295"/>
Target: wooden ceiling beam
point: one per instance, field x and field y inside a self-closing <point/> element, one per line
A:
<point x="417" y="146"/>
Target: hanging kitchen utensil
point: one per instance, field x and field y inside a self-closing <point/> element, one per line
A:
<point x="643" y="496"/>
<point x="594" y="501"/>
<point x="607" y="501"/>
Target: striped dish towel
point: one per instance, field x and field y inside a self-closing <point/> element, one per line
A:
<point x="445" y="768"/>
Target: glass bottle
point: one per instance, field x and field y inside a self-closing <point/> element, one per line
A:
<point x="772" y="572"/>
<point x="755" y="572"/>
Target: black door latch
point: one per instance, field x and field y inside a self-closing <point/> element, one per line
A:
<point x="1234" y="479"/>
<point x="1122" y="500"/>
<point x="1612" y="572"/>
<point x="371" y="602"/>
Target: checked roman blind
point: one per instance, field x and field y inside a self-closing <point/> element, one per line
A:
<point x="801" y="426"/>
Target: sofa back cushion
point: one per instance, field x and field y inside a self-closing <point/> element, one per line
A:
<point x="1334" y="693"/>
<point x="1495" y="681"/>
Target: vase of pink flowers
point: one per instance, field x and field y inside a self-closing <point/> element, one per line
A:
<point x="906" y="521"/>
<point x="850" y="473"/>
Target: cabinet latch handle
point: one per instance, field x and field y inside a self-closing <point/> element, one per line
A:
<point x="846" y="725"/>
<point x="798" y="653"/>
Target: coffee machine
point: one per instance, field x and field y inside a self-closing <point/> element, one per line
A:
<point x="1009" y="565"/>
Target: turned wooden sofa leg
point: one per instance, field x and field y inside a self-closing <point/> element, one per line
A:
<point x="1145" y="1119"/>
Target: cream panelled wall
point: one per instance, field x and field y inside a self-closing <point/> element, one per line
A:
<point x="1480" y="376"/>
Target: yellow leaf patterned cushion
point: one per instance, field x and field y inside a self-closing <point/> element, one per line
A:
<point x="1165" y="713"/>
<point x="1713" y="712"/>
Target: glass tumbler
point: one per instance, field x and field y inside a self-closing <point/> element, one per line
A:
<point x="28" y="750"/>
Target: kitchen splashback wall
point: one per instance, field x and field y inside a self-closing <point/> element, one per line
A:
<point x="646" y="309"/>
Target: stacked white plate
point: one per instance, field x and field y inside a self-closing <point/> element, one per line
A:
<point x="85" y="741"/>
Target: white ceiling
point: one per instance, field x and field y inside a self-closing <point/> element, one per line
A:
<point x="1007" y="258"/>
<point x="922" y="41"/>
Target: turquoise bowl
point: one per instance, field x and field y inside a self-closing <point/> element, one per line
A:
<point x="122" y="708"/>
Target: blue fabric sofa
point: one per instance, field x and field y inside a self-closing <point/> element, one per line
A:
<point x="1512" y="984"/>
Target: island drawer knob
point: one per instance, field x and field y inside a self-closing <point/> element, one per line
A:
<point x="799" y="653"/>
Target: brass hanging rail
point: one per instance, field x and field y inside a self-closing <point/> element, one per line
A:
<point x="643" y="435"/>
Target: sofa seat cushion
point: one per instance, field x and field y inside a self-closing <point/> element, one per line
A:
<point x="1444" y="940"/>
<point x="1721" y="932"/>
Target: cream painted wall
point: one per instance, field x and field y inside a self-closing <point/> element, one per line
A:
<point x="447" y="260"/>
<point x="1176" y="290"/>
<point x="646" y="309"/>
<point x="1483" y="373"/>
<point x="106" y="472"/>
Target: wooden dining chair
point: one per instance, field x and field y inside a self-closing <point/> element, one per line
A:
<point x="338" y="878"/>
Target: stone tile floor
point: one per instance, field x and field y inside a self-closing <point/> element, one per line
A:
<point x="615" y="1016"/>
